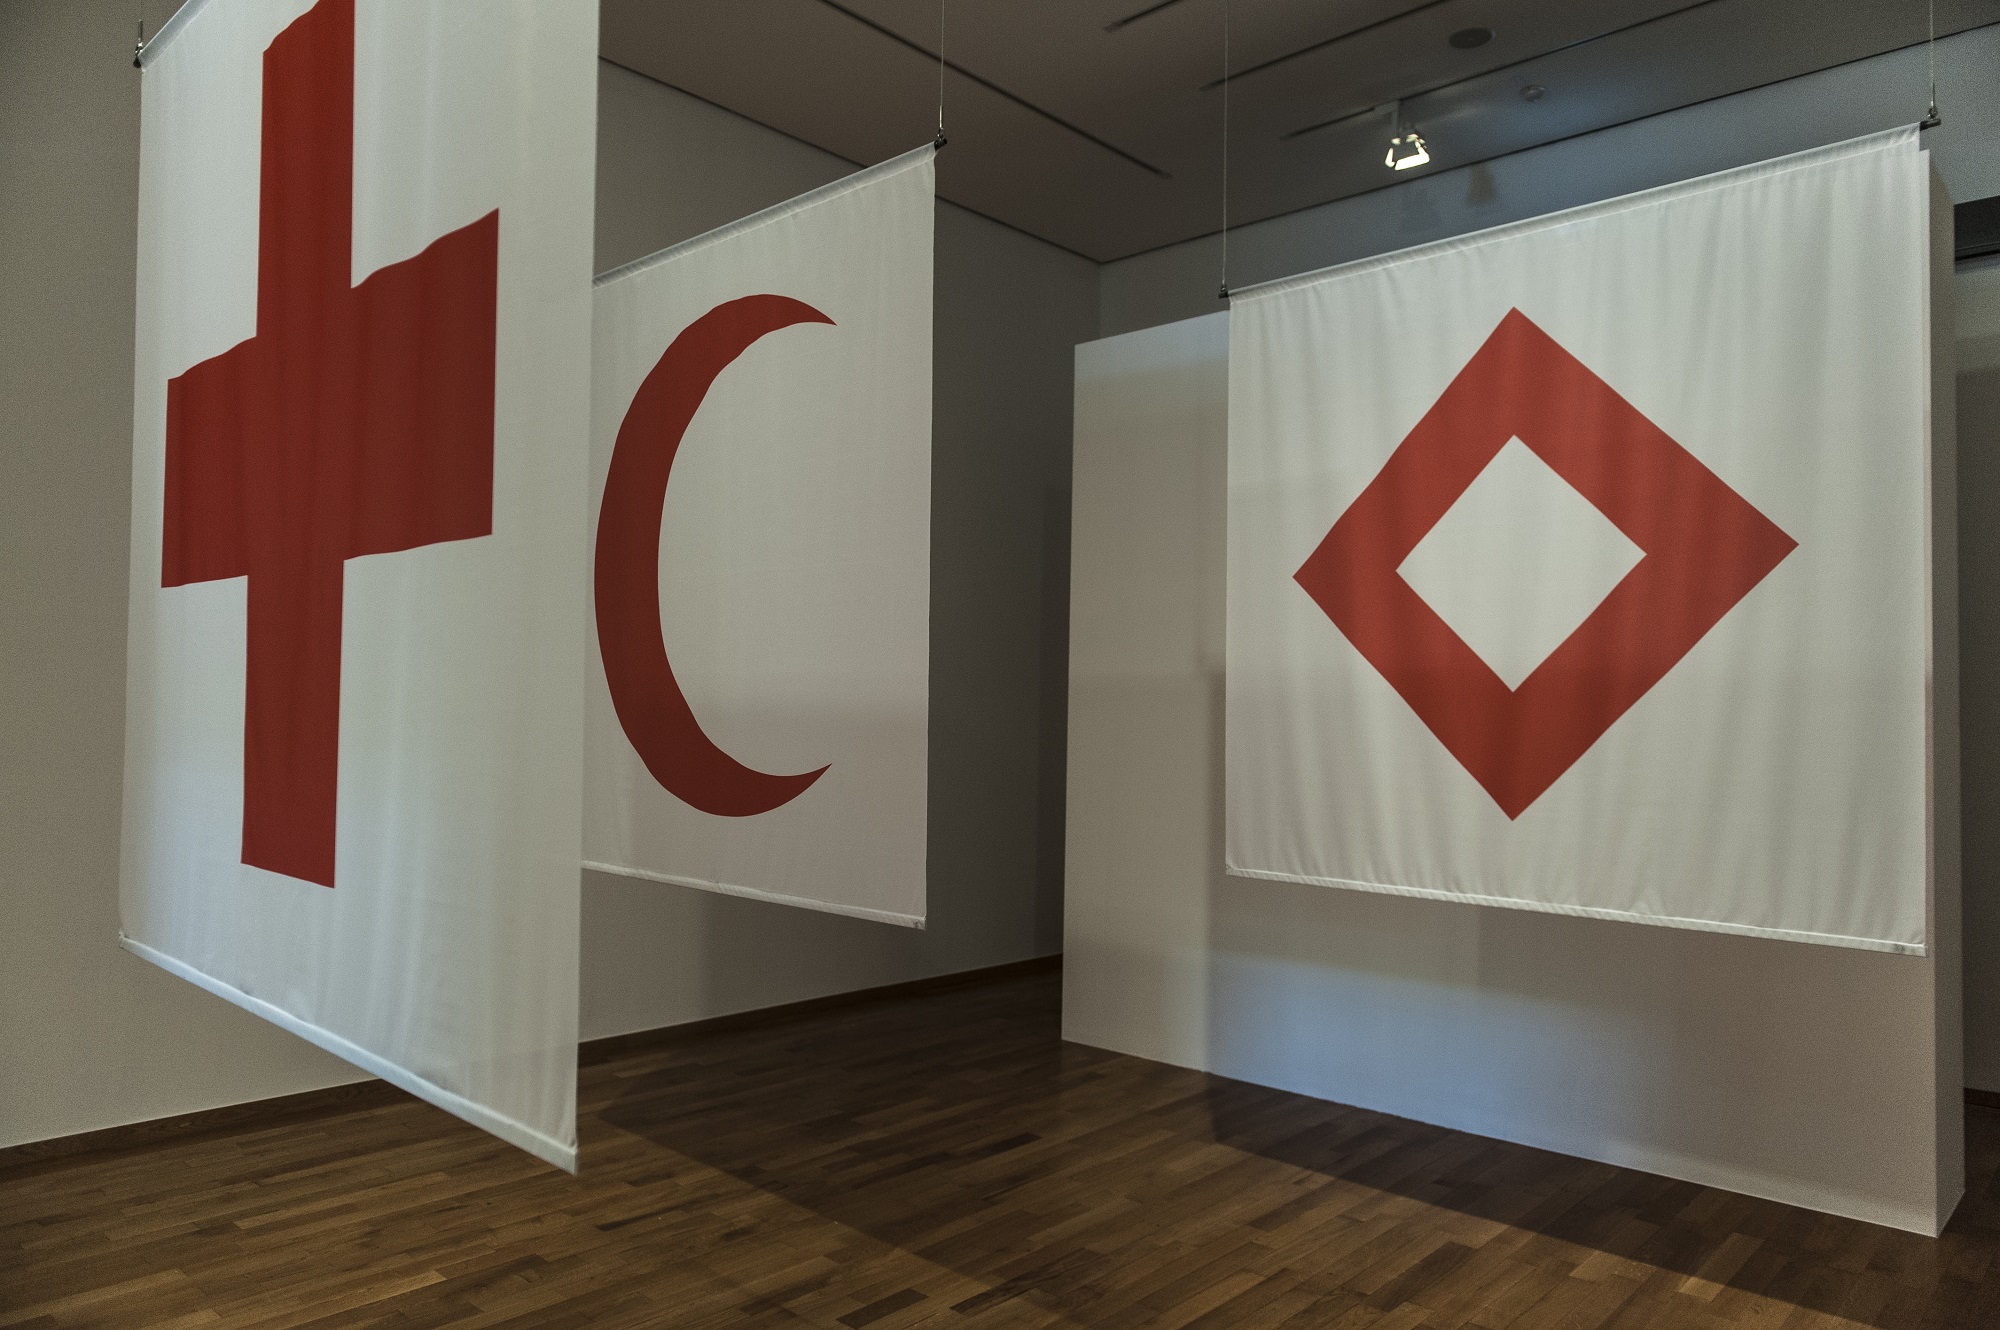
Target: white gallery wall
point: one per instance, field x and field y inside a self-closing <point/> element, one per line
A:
<point x="1814" y="1075"/>
<point x="90" y="1036"/>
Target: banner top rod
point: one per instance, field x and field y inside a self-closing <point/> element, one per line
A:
<point x="148" y="51"/>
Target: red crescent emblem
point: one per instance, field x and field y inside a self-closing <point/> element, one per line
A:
<point x="648" y="699"/>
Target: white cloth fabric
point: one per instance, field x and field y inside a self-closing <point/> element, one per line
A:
<point x="759" y="712"/>
<point x="1583" y="564"/>
<point x="355" y="706"/>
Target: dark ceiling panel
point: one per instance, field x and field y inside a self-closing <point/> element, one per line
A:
<point x="796" y="65"/>
<point x="1099" y="134"/>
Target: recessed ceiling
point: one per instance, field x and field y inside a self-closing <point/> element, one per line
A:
<point x="1098" y="124"/>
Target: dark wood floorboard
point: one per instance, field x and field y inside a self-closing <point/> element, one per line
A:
<point x="944" y="1161"/>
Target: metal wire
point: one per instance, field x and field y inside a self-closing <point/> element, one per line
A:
<point x="1223" y="294"/>
<point x="1931" y="118"/>
<point x="940" y="130"/>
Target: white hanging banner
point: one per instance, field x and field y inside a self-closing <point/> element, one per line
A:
<point x="1583" y="565"/>
<point x="355" y="708"/>
<point x="758" y="723"/>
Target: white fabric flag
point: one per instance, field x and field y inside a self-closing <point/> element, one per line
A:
<point x="1583" y="565"/>
<point x="758" y="723"/>
<point x="355" y="708"/>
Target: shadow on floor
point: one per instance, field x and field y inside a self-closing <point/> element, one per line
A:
<point x="959" y="1127"/>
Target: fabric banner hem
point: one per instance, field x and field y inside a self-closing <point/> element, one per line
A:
<point x="1881" y="140"/>
<point x="901" y="920"/>
<point x="536" y="1143"/>
<point x="1589" y="912"/>
<point x="833" y="189"/>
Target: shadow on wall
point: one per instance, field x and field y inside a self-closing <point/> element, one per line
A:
<point x="1979" y="658"/>
<point x="1052" y="776"/>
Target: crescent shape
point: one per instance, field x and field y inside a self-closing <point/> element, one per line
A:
<point x="648" y="699"/>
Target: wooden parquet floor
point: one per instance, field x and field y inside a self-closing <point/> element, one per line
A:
<point x="944" y="1161"/>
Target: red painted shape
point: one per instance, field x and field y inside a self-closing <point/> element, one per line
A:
<point x="1705" y="548"/>
<point x="358" y="420"/>
<point x="647" y="697"/>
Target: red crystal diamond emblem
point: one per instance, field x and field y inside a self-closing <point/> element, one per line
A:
<point x="1705" y="549"/>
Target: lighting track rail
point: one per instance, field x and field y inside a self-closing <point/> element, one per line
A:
<point x="1351" y="33"/>
<point x="1116" y="24"/>
<point x="1443" y="84"/>
<point x="995" y="88"/>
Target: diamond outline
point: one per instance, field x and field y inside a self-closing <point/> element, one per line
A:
<point x="1705" y="548"/>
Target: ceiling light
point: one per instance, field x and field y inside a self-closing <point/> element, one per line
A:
<point x="1467" y="39"/>
<point x="1406" y="151"/>
<point x="1406" y="148"/>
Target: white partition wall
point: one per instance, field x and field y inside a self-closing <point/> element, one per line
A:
<point x="1822" y="1077"/>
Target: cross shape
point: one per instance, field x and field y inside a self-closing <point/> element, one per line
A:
<point x="358" y="420"/>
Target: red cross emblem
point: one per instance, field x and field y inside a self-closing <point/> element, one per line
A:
<point x="1704" y="548"/>
<point x="358" y="420"/>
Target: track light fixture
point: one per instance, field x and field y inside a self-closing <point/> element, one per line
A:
<point x="1406" y="148"/>
<point x="1406" y="151"/>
